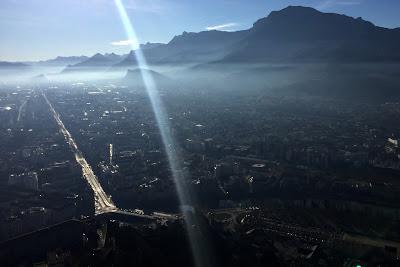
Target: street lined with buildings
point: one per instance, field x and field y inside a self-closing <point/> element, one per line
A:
<point x="103" y="202"/>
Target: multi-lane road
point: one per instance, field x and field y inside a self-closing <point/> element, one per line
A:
<point x="103" y="202"/>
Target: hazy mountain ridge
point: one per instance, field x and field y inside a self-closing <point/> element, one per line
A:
<point x="188" y="48"/>
<point x="95" y="62"/>
<point x="98" y="60"/>
<point x="305" y="34"/>
<point x="59" y="61"/>
<point x="292" y="35"/>
<point x="135" y="77"/>
<point x="149" y="45"/>
<point x="12" y="65"/>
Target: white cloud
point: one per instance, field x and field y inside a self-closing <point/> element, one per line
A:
<point x="222" y="26"/>
<point x="125" y="43"/>
<point x="326" y="4"/>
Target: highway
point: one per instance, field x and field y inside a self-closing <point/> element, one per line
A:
<point x="103" y="203"/>
<point x="21" y="110"/>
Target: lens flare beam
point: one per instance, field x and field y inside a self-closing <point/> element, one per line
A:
<point x="197" y="238"/>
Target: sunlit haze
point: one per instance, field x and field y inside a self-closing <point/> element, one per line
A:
<point x="228" y="133"/>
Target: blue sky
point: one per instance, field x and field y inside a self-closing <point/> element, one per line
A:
<point x="42" y="29"/>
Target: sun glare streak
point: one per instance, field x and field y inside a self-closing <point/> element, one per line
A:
<point x="196" y="237"/>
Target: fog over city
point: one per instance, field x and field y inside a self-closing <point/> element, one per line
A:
<point x="239" y="138"/>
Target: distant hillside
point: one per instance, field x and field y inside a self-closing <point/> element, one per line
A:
<point x="305" y="34"/>
<point x="150" y="45"/>
<point x="135" y="78"/>
<point x="292" y="35"/>
<point x="41" y="78"/>
<point x="13" y="65"/>
<point x="189" y="48"/>
<point x="97" y="61"/>
<point x="60" y="61"/>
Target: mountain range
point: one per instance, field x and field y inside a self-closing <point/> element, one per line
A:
<point x="94" y="62"/>
<point x="59" y="61"/>
<point x="294" y="34"/>
<point x="12" y="65"/>
<point x="305" y="34"/>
